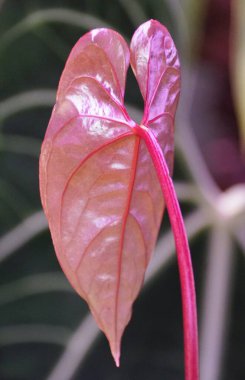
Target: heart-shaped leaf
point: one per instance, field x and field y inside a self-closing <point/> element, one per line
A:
<point x="99" y="186"/>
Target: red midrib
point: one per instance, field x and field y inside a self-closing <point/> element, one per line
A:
<point x="124" y="222"/>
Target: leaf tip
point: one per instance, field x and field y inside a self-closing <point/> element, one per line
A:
<point x="117" y="359"/>
<point x="115" y="351"/>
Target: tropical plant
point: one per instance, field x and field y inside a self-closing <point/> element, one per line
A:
<point x="46" y="332"/>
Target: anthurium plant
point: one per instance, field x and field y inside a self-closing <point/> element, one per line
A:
<point x="105" y="180"/>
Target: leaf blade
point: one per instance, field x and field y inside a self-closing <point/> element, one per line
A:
<point x="155" y="63"/>
<point x="98" y="186"/>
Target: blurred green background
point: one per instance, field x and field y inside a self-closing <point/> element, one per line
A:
<point x="45" y="331"/>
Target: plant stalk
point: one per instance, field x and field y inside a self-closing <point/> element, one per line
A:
<point x="183" y="254"/>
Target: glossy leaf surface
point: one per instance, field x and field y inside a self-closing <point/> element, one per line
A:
<point x="99" y="187"/>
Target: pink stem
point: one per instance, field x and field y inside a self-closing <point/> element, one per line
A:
<point x="183" y="254"/>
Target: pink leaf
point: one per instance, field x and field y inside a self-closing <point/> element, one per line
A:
<point x="99" y="180"/>
<point x="155" y="63"/>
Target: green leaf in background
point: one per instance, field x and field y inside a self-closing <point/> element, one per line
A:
<point x="195" y="12"/>
<point x="237" y="52"/>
